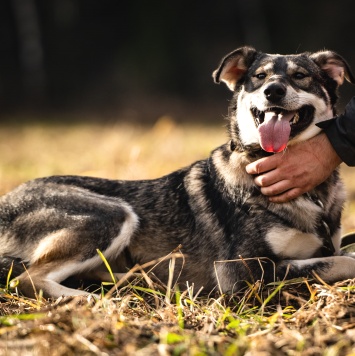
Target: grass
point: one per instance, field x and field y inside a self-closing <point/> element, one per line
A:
<point x="145" y="318"/>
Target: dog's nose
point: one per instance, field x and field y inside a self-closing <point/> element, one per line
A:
<point x="275" y="92"/>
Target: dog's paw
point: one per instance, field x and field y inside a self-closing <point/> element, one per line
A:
<point x="348" y="244"/>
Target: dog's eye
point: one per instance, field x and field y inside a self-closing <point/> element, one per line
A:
<point x="299" y="75"/>
<point x="260" y="75"/>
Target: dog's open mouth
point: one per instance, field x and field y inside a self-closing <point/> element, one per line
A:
<point x="276" y="126"/>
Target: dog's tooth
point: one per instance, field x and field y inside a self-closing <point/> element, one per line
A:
<point x="296" y="118"/>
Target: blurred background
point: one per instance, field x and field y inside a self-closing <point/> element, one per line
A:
<point x="139" y="60"/>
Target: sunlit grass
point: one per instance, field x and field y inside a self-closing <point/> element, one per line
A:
<point x="120" y="151"/>
<point x="348" y="175"/>
<point x="281" y="319"/>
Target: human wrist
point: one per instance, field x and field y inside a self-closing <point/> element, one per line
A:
<point x="328" y="151"/>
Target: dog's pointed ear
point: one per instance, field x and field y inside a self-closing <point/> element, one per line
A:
<point x="334" y="65"/>
<point x="233" y="66"/>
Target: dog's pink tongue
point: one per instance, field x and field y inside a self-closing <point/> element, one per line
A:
<point x="274" y="132"/>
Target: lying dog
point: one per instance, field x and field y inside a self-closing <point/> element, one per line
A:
<point x="212" y="209"/>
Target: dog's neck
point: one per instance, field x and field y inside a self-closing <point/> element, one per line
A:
<point x="252" y="152"/>
<point x="229" y="162"/>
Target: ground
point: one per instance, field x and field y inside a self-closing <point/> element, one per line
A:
<point x="293" y="318"/>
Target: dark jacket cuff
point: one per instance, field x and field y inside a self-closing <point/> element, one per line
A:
<point x="341" y="133"/>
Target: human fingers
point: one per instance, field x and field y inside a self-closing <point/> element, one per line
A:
<point x="268" y="178"/>
<point x="286" y="196"/>
<point x="277" y="188"/>
<point x="262" y="165"/>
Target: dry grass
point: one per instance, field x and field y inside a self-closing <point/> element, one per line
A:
<point x="300" y="318"/>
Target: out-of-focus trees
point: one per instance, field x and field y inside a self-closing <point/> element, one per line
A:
<point x="111" y="55"/>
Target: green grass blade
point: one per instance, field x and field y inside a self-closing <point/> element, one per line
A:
<point x="107" y="265"/>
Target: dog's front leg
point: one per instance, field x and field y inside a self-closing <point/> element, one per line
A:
<point x="330" y="269"/>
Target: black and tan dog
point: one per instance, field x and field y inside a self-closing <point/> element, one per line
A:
<point x="211" y="208"/>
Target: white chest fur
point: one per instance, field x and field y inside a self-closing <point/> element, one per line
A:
<point x="292" y="243"/>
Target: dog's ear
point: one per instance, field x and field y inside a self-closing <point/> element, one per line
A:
<point x="233" y="66"/>
<point x="334" y="65"/>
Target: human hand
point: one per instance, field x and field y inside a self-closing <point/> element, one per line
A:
<point x="301" y="167"/>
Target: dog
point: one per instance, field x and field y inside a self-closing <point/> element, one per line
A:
<point x="211" y="212"/>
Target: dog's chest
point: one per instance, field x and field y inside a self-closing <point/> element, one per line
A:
<point x="293" y="243"/>
<point x="311" y="227"/>
<point x="293" y="231"/>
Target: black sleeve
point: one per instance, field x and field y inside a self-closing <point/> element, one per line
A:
<point x="341" y="133"/>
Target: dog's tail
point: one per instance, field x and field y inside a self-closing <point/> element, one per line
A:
<point x="10" y="267"/>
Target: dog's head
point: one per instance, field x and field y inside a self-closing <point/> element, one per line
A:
<point x="280" y="98"/>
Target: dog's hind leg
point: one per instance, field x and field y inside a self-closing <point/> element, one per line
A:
<point x="46" y="278"/>
<point x="72" y="250"/>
